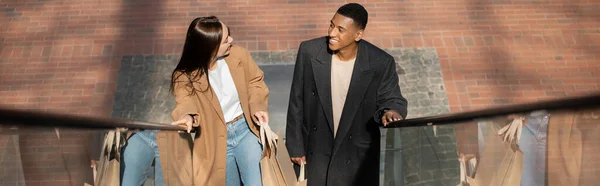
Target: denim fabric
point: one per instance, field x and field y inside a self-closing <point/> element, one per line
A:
<point x="243" y="155"/>
<point x="533" y="144"/>
<point x="136" y="160"/>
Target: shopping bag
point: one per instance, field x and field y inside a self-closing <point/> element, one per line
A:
<point x="288" y="167"/>
<point x="501" y="161"/>
<point x="272" y="174"/>
<point x="107" y="173"/>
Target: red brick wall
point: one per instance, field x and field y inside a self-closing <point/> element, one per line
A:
<point x="64" y="55"/>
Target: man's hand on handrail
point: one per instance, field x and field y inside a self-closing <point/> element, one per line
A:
<point x="390" y="116"/>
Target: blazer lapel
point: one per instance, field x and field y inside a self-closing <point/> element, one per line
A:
<point x="361" y="78"/>
<point x="321" y="66"/>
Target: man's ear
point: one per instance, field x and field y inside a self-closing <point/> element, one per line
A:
<point x="359" y="35"/>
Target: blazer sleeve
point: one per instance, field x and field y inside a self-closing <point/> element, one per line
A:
<point x="258" y="92"/>
<point x="389" y="96"/>
<point x="295" y="115"/>
<point x="184" y="102"/>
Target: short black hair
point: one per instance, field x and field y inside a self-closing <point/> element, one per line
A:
<point x="356" y="12"/>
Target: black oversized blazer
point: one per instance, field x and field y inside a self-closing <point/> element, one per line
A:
<point x="352" y="157"/>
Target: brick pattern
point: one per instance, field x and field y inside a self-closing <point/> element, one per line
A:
<point x="64" y="55"/>
<point x="38" y="157"/>
<point x="11" y="172"/>
<point x="466" y="137"/>
<point x="57" y="55"/>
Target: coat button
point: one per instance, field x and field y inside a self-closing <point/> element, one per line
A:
<point x="350" y="136"/>
<point x="313" y="93"/>
<point x="314" y="128"/>
<point x="348" y="162"/>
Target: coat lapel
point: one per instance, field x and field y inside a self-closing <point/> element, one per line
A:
<point x="321" y="66"/>
<point x="361" y="78"/>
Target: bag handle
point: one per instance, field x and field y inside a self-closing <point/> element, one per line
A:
<point x="511" y="133"/>
<point x="468" y="163"/>
<point x="118" y="144"/>
<point x="463" y="169"/>
<point x="113" y="138"/>
<point x="466" y="171"/>
<point x="301" y="177"/>
<point x="109" y="142"/>
<point x="463" y="172"/>
<point x="268" y="138"/>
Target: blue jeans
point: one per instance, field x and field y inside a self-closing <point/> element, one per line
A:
<point x="243" y="155"/>
<point x="136" y="160"/>
<point x="533" y="144"/>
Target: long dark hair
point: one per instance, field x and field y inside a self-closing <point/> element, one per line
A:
<point x="200" y="49"/>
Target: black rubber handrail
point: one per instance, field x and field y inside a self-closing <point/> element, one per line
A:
<point x="587" y="101"/>
<point x="29" y="118"/>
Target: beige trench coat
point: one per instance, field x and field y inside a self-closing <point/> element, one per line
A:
<point x="202" y="162"/>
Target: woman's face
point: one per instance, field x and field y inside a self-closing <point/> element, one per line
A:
<point x="226" y="41"/>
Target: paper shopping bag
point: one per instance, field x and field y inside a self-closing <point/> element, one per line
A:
<point x="272" y="174"/>
<point x="108" y="171"/>
<point x="501" y="161"/>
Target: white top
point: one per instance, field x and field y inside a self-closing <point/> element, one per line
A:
<point x="222" y="83"/>
<point x="341" y="74"/>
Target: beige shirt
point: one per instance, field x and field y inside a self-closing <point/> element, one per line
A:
<point x="341" y="74"/>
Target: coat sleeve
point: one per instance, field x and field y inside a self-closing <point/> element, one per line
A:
<point x="295" y="115"/>
<point x="389" y="95"/>
<point x="184" y="103"/>
<point x="258" y="92"/>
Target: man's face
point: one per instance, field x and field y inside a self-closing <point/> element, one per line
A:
<point x="343" y="32"/>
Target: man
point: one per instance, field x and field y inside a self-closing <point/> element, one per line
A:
<point x="343" y="89"/>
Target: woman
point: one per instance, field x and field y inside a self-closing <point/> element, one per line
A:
<point x="219" y="88"/>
